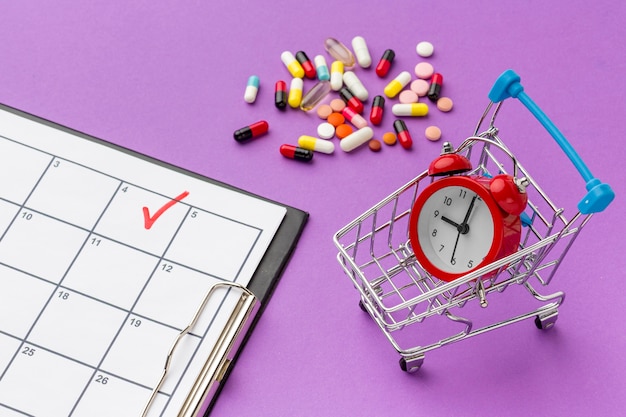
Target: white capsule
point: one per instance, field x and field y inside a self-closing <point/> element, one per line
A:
<point x="362" y="53"/>
<point x="356" y="139"/>
<point x="251" y="89"/>
<point x="355" y="85"/>
<point x="314" y="144"/>
<point x="410" y="109"/>
<point x="336" y="75"/>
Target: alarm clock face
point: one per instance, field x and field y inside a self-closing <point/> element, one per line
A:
<point x="454" y="228"/>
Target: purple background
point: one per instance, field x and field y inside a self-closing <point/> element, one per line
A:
<point x="167" y="79"/>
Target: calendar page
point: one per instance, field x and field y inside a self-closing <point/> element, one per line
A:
<point x="104" y="258"/>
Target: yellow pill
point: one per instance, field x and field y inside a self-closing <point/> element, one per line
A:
<point x="295" y="92"/>
<point x="397" y="84"/>
<point x="292" y="64"/>
<point x="336" y="75"/>
<point x="410" y="109"/>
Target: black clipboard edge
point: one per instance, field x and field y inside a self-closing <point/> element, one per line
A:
<point x="273" y="263"/>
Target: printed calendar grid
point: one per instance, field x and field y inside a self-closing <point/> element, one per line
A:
<point x="92" y="236"/>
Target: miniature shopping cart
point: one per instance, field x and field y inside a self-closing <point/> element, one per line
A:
<point x="418" y="312"/>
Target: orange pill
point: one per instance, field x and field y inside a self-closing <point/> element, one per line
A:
<point x="323" y="111"/>
<point x="337" y="104"/>
<point x="374" y="145"/>
<point x="336" y="119"/>
<point x="432" y="133"/>
<point x="444" y="104"/>
<point x="343" y="130"/>
<point x="389" y="138"/>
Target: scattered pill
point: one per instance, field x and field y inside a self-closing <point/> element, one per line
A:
<point x="337" y="104"/>
<point x="424" y="70"/>
<point x="325" y="130"/>
<point x="293" y="66"/>
<point x="445" y="104"/>
<point x="361" y="51"/>
<point x="295" y="92"/>
<point x="408" y="96"/>
<point x="382" y="69"/>
<point x="343" y="130"/>
<point x="252" y="131"/>
<point x="389" y="138"/>
<point x="296" y="152"/>
<point x="252" y="88"/>
<point x="321" y="68"/>
<point x="314" y="144"/>
<point x="425" y="49"/>
<point x="432" y="133"/>
<point x="350" y="100"/>
<point x="339" y="51"/>
<point x="312" y="97"/>
<point x="420" y="87"/>
<point x="403" y="134"/>
<point x="336" y="119"/>
<point x="377" y="111"/>
<point x="356" y="139"/>
<point x="411" y="109"/>
<point x="353" y="117"/>
<point x="323" y="111"/>
<point x="374" y="145"/>
<point x="306" y="64"/>
<point x="355" y="85"/>
<point x="336" y="75"/>
<point x="280" y="94"/>
<point x="397" y="84"/>
<point x="435" y="87"/>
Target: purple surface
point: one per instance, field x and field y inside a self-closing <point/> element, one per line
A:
<point x="167" y="79"/>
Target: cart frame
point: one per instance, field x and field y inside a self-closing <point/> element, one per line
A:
<point x="375" y="251"/>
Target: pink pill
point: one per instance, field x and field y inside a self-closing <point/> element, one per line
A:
<point x="408" y="96"/>
<point x="424" y="70"/>
<point x="420" y="87"/>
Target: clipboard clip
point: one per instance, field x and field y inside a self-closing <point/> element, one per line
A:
<point x="221" y="355"/>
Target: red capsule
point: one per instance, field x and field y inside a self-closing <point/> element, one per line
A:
<point x="307" y="65"/>
<point x="385" y="63"/>
<point x="248" y="132"/>
<point x="280" y="95"/>
<point x="378" y="108"/>
<point x="297" y="153"/>
<point x="435" y="87"/>
<point x="404" y="137"/>
<point x="353" y="117"/>
<point x="352" y="101"/>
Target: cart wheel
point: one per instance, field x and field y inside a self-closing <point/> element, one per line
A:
<point x="411" y="365"/>
<point x="546" y="321"/>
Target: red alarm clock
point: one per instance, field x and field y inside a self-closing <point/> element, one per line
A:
<point x="462" y="222"/>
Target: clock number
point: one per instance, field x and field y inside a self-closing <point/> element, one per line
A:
<point x="434" y="232"/>
<point x="453" y="261"/>
<point x="441" y="248"/>
<point x="436" y="213"/>
<point x="447" y="201"/>
<point x="463" y="193"/>
<point x="470" y="263"/>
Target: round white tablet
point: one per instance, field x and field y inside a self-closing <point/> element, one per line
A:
<point x="425" y="49"/>
<point x="325" y="130"/>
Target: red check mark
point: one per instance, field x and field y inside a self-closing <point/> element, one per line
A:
<point x="149" y="221"/>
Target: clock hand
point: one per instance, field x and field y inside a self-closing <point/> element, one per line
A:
<point x="447" y="220"/>
<point x="463" y="228"/>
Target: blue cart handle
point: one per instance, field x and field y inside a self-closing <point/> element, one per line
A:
<point x="599" y="195"/>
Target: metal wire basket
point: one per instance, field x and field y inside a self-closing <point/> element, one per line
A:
<point x="418" y="312"/>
